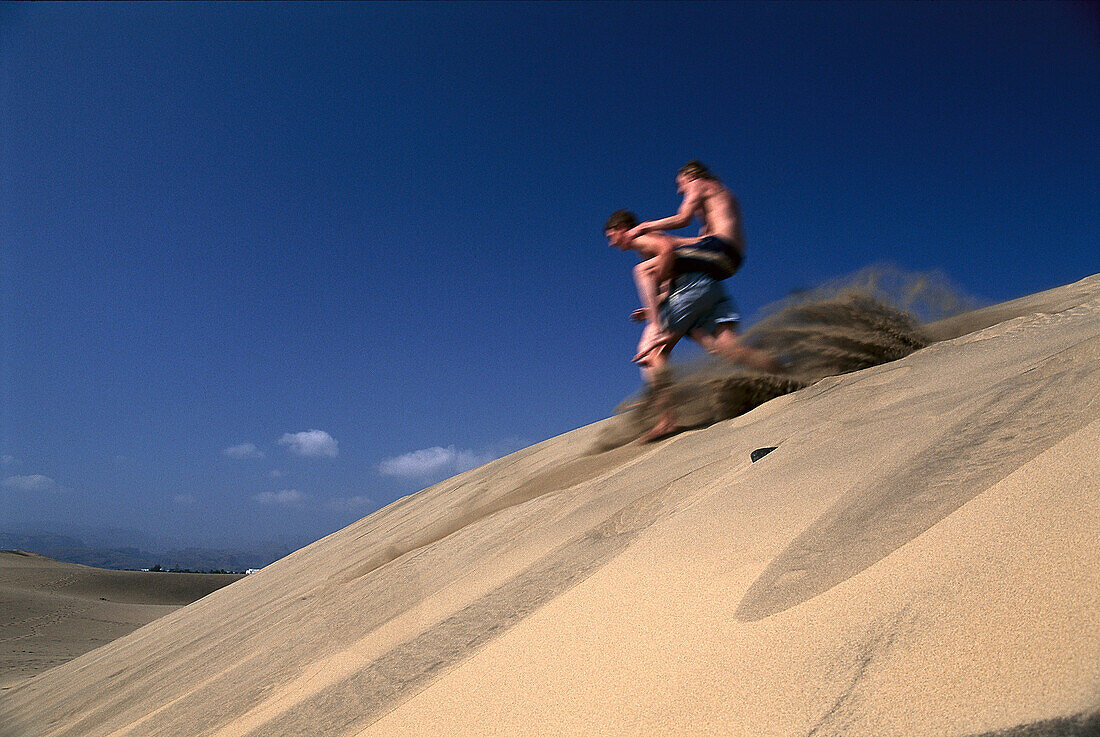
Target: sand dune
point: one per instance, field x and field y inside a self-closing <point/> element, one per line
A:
<point x="51" y="612"/>
<point x="917" y="557"/>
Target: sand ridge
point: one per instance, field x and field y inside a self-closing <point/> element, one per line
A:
<point x="914" y="558"/>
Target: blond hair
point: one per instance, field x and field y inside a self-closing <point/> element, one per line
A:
<point x="696" y="169"/>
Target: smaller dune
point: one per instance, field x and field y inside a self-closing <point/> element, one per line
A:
<point x="52" y="612"/>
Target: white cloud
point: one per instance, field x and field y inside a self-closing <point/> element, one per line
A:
<point x="6" y="460"/>
<point x="34" y="482"/>
<point x="437" y="461"/>
<point x="316" y="443"/>
<point x="243" y="451"/>
<point x="350" y="503"/>
<point x="284" y="497"/>
<point x="275" y="473"/>
<point x="184" y="500"/>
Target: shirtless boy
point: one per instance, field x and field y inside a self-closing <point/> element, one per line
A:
<point x="677" y="302"/>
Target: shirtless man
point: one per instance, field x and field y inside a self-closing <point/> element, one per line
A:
<point x="677" y="302"/>
<point x="706" y="198"/>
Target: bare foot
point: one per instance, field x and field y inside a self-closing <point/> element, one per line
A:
<point x="665" y="427"/>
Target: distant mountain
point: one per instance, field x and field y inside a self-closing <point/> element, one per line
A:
<point x="212" y="559"/>
<point x="75" y="550"/>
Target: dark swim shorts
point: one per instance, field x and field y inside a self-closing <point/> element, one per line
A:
<point x="711" y="255"/>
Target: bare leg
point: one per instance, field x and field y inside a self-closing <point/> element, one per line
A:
<point x="653" y="339"/>
<point x="645" y="279"/>
<point x="659" y="380"/>
<point x="724" y="343"/>
<point x="653" y="351"/>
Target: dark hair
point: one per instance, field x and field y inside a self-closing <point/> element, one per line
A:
<point x="697" y="170"/>
<point x="621" y="219"/>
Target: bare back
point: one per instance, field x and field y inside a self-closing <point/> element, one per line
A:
<point x="718" y="209"/>
<point x="651" y="245"/>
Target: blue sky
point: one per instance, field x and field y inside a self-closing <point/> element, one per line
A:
<point x="268" y="267"/>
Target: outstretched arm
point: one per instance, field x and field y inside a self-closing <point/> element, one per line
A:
<point x="692" y="203"/>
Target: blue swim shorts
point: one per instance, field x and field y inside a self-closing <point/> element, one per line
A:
<point x="697" y="302"/>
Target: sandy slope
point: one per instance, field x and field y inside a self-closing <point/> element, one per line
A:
<point x="918" y="557"/>
<point x="51" y="612"/>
